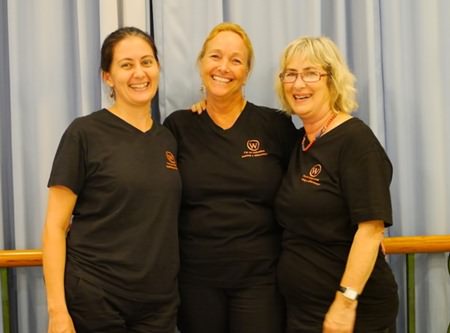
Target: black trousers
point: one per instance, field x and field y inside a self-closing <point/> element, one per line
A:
<point x="95" y="311"/>
<point x="256" y="309"/>
<point x="306" y="319"/>
<point x="319" y="330"/>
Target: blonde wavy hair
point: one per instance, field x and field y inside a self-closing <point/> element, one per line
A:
<point x="322" y="52"/>
<point x="237" y="29"/>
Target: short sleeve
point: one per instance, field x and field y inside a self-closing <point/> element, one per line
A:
<point x="68" y="167"/>
<point x="366" y="177"/>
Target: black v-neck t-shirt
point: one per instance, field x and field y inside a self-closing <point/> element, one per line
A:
<point x="342" y="180"/>
<point x="228" y="232"/>
<point x="123" y="235"/>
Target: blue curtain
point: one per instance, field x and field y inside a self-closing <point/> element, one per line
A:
<point x="398" y="49"/>
<point x="416" y="81"/>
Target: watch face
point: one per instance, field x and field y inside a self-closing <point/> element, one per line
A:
<point x="349" y="293"/>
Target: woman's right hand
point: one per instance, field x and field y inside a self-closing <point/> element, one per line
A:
<point x="199" y="107"/>
<point x="60" y="323"/>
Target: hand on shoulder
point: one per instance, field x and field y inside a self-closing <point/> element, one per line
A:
<point x="199" y="107"/>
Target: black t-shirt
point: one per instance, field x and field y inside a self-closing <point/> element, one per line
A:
<point x="123" y="234"/>
<point x="228" y="234"/>
<point x="343" y="179"/>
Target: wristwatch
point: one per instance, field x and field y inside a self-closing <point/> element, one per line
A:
<point x="349" y="293"/>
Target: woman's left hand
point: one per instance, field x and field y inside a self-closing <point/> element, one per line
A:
<point x="341" y="315"/>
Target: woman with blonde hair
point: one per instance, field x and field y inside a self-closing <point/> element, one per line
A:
<point x="231" y="160"/>
<point x="334" y="201"/>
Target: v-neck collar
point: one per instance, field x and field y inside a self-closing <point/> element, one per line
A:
<point x="117" y="119"/>
<point x="235" y="125"/>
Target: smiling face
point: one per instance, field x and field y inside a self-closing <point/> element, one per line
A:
<point x="306" y="99"/>
<point x="133" y="73"/>
<point x="224" y="65"/>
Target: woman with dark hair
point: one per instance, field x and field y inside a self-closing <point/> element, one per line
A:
<point x="110" y="248"/>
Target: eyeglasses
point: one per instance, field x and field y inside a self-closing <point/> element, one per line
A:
<point x="307" y="77"/>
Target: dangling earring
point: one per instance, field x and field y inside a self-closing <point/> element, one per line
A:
<point x="203" y="91"/>
<point x="112" y="94"/>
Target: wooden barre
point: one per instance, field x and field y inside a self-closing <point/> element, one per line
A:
<point x="417" y="244"/>
<point x="20" y="258"/>
<point x="393" y="245"/>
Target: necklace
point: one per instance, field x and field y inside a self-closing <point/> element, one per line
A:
<point x="322" y="131"/>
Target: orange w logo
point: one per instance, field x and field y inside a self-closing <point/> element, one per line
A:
<point x="253" y="145"/>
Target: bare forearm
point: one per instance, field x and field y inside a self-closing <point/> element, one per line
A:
<point x="341" y="315"/>
<point x="362" y="256"/>
<point x="61" y="202"/>
<point x="54" y="257"/>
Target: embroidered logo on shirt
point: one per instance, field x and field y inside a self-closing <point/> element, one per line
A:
<point x="171" y="162"/>
<point x="311" y="177"/>
<point x="254" y="149"/>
